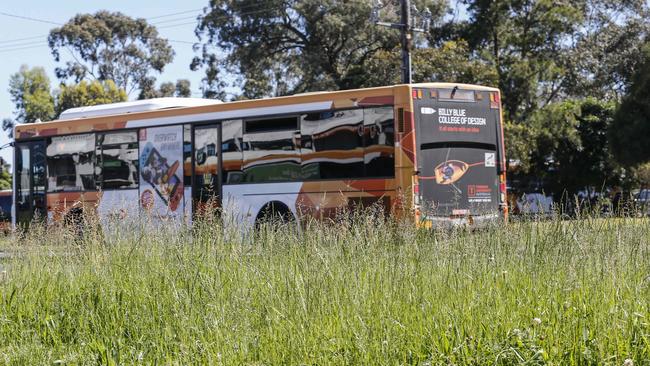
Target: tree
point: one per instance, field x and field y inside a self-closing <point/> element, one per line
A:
<point x="630" y="132"/>
<point x="31" y="95"/>
<point x="568" y="146"/>
<point x="5" y="176"/>
<point x="528" y="43"/>
<point x="278" y="47"/>
<point x="88" y="94"/>
<point x="451" y="61"/>
<point x="607" y="48"/>
<point x="181" y="89"/>
<point x="642" y="173"/>
<point x="110" y="46"/>
<point x="34" y="101"/>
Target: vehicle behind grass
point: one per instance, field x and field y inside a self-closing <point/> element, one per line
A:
<point x="431" y="153"/>
<point x="642" y="202"/>
<point x="5" y="211"/>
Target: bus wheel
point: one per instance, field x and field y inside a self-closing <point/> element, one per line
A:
<point x="274" y="213"/>
<point x="75" y="222"/>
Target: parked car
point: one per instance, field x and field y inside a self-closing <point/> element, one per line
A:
<point x="536" y="204"/>
<point x="642" y="202"/>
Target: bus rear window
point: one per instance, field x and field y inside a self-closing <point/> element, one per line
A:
<point x="456" y="94"/>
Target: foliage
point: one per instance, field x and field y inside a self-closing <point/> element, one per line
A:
<point x="545" y="55"/>
<point x="526" y="43"/>
<point x="607" y="48"/>
<point x="110" y="46"/>
<point x="167" y="89"/>
<point x="520" y="143"/>
<point x="284" y="47"/>
<point x="88" y="94"/>
<point x="642" y="173"/>
<point x="362" y="292"/>
<point x="30" y="92"/>
<point x="5" y="176"/>
<point x="630" y="132"/>
<point x="451" y="62"/>
<point x="582" y="156"/>
<point x="566" y="145"/>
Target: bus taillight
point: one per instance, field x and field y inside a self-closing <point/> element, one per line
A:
<point x="502" y="191"/>
<point x="495" y="100"/>
<point x="416" y="194"/>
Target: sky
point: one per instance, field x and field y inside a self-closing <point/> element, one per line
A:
<point x="24" y="41"/>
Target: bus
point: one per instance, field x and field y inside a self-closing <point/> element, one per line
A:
<point x="430" y="153"/>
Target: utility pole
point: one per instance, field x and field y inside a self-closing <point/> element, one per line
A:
<point x="406" y="30"/>
<point x="406" y="41"/>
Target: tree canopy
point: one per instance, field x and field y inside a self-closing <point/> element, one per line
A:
<point x="180" y="89"/>
<point x="87" y="94"/>
<point x="31" y="95"/>
<point x="110" y="46"/>
<point x="30" y="92"/>
<point x="5" y="176"/>
<point x="630" y="132"/>
<point x="283" y="47"/>
<point x="34" y="100"/>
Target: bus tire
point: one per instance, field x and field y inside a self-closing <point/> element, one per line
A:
<point x="75" y="221"/>
<point x="274" y="212"/>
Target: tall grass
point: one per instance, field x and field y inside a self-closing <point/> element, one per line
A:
<point x="360" y="292"/>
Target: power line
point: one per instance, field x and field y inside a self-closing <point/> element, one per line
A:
<point x="175" y="25"/>
<point x="216" y="18"/>
<point x="57" y="23"/>
<point x="29" y="18"/>
<point x="17" y="45"/>
<point x="177" y="41"/>
<point x="244" y="13"/>
<point x="21" y="44"/>
<point x="21" y="39"/>
<point x="174" y="20"/>
<point x="172" y="14"/>
<point x="22" y="48"/>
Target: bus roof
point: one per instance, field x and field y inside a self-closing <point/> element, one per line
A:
<point x="149" y="112"/>
<point x="133" y="107"/>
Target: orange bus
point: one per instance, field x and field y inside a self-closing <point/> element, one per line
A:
<point x="432" y="153"/>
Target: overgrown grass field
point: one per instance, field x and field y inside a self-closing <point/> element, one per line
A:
<point x="361" y="292"/>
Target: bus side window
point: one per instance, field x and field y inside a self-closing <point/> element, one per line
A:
<point x="332" y="144"/>
<point x="271" y="151"/>
<point x="70" y="163"/>
<point x="379" y="146"/>
<point x="117" y="160"/>
<point x="232" y="151"/>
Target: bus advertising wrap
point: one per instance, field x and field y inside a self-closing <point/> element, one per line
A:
<point x="451" y="121"/>
<point x="161" y="156"/>
<point x="457" y="155"/>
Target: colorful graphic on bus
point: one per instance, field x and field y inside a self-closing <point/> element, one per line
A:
<point x="414" y="149"/>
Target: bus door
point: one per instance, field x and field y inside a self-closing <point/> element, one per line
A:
<point x="29" y="176"/>
<point x="206" y="169"/>
<point x="457" y="134"/>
